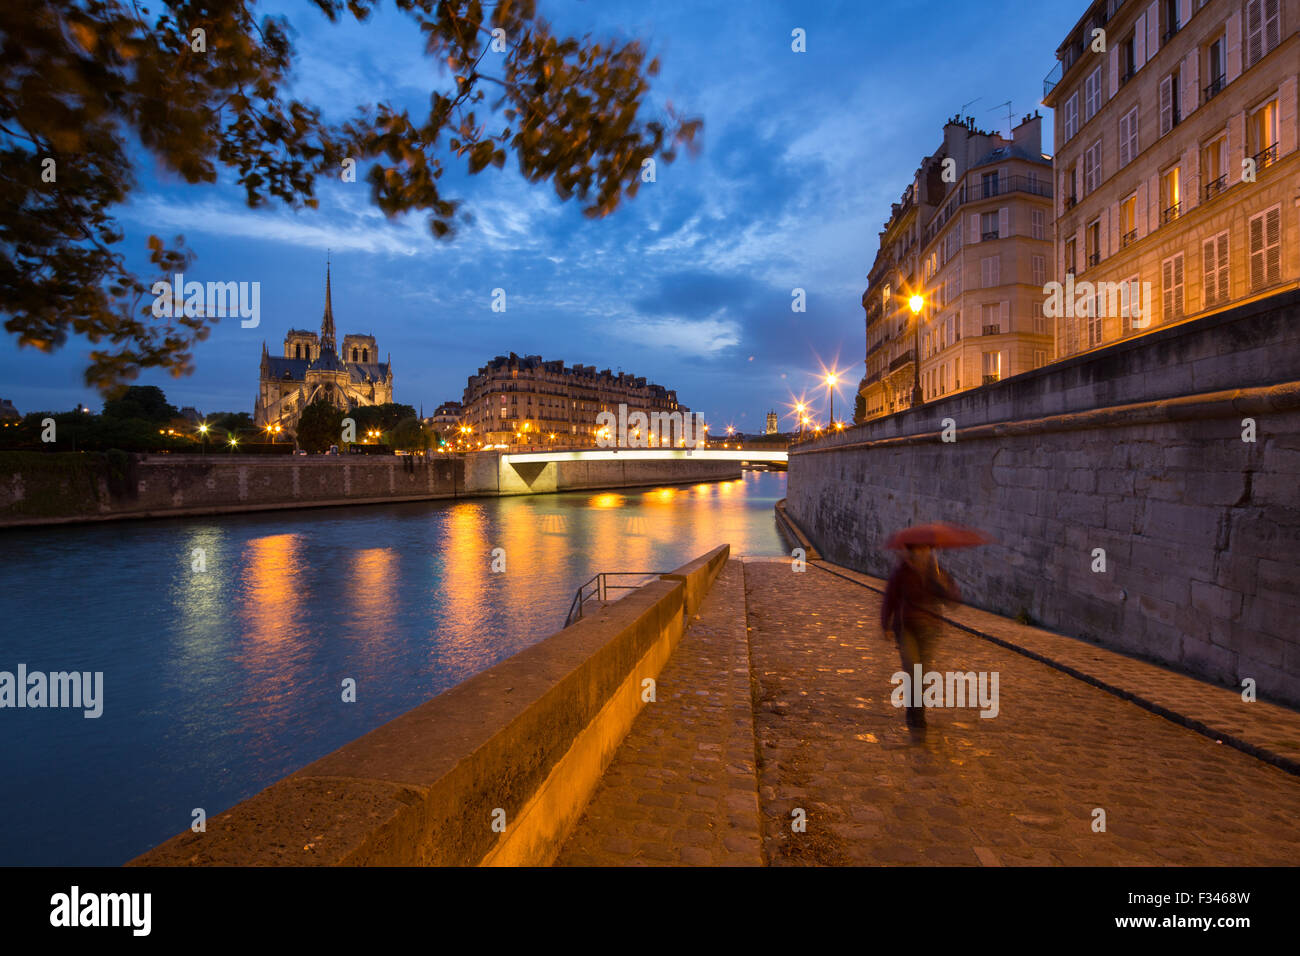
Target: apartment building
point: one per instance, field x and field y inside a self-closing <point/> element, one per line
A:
<point x="1176" y="160"/>
<point x="514" y="400"/>
<point x="972" y="236"/>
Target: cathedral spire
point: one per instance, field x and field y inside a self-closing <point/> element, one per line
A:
<point x="327" y="321"/>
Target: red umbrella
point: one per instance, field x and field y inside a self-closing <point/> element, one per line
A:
<point x="937" y="535"/>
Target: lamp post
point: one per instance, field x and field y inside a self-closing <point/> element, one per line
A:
<point x="203" y="430"/>
<point x="803" y="419"/>
<point x="916" y="303"/>
<point x="831" y="379"/>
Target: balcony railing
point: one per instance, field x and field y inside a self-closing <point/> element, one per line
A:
<point x="1169" y="215"/>
<point x="902" y="360"/>
<point x="1094" y="259"/>
<point x="1127" y="75"/>
<point x="1052" y="78"/>
<point x="1170" y="34"/>
<point x="992" y="330"/>
<point x="1128" y="237"/>
<point x="990" y="379"/>
<point x="1216" y="186"/>
<point x="1213" y="88"/>
<point x="985" y="190"/>
<point x="1265" y="157"/>
<point x="1071" y="202"/>
<point x="986" y="236"/>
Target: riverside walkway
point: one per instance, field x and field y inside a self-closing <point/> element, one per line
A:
<point x="775" y="708"/>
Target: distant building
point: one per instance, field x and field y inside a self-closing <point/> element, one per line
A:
<point x="191" y="415"/>
<point x="1176" y="161"/>
<point x="7" y="411"/>
<point x="514" y="400"/>
<point x="972" y="236"/>
<point x="772" y="425"/>
<point x="314" y="369"/>
<point x="446" y="419"/>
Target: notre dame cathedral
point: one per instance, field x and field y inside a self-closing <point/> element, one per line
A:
<point x="312" y="369"/>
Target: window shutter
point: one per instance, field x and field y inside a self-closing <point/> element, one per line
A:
<point x="1114" y="71"/>
<point x="1273" y="245"/>
<point x="1004" y="222"/>
<point x="1125" y="157"/>
<point x="974" y="227"/>
<point x="1140" y="42"/>
<point x="1167" y="287"/>
<point x="1004" y="319"/>
<point x="1286" y="119"/>
<point x="1140" y="214"/>
<point x="1166" y="105"/>
<point x="1232" y="57"/>
<point x="1272" y="25"/>
<point x="1254" y="32"/>
<point x="1256" y="252"/>
<point x="1210" y="271"/>
<point x="1153" y="31"/>
<point x="1191" y="89"/>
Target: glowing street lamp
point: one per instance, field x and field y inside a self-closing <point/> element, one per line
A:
<point x="831" y="379"/>
<point x="916" y="303"/>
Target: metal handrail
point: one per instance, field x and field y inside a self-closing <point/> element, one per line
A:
<point x="599" y="590"/>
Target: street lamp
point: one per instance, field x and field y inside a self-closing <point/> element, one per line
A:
<point x="203" y="430"/>
<point x="831" y="379"/>
<point x="799" y="413"/>
<point x="916" y="303"/>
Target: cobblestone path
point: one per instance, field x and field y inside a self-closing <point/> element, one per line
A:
<point x="1020" y="788"/>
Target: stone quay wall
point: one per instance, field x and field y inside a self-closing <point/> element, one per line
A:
<point x="1133" y="453"/>
<point x="55" y="488"/>
<point x="495" y="771"/>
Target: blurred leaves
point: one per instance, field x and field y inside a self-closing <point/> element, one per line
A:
<point x="82" y="79"/>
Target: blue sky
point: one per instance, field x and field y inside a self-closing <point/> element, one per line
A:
<point x="688" y="284"/>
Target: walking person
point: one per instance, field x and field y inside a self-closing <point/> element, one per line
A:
<point x="914" y="596"/>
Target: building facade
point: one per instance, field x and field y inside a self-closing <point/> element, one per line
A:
<point x="313" y="368"/>
<point x="1177" y="172"/>
<point x="514" y="400"/>
<point x="773" y="426"/>
<point x="972" y="237"/>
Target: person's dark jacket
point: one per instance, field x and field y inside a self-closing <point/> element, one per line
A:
<point x="912" y="599"/>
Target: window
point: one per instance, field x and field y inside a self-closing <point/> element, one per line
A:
<point x="1040" y="358"/>
<point x="990" y="271"/>
<point x="1071" y="116"/>
<point x="1127" y="59"/>
<point x="1128" y="137"/>
<point x="1039" y="266"/>
<point x="1171" y="286"/>
<point x="1214" y="166"/>
<point x="989" y="184"/>
<point x="1070" y="261"/>
<point x="992" y="367"/>
<point x="1170" y="111"/>
<point x="1037" y="224"/>
<point x="1172" y="25"/>
<point x="1128" y="220"/>
<point x="1094" y="317"/>
<point x="1215" y="269"/>
<point x="1172" y="194"/>
<point x="1093" y="237"/>
<point x="1216" y="69"/>
<point x="1131" y="300"/>
<point x="365" y="355"/>
<point x="1263" y="134"/>
<point x="991" y="319"/>
<point x="989" y="225"/>
<point x="885" y="298"/>
<point x="1092" y="168"/>
<point x="1092" y="94"/>
<point x="1266" y="248"/>
<point x="1263" y="29"/>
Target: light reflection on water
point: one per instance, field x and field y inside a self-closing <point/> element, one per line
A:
<point x="219" y="682"/>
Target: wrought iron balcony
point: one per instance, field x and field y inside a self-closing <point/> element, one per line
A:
<point x="1170" y="34"/>
<point x="1170" y="214"/>
<point x="1094" y="259"/>
<point x="992" y="330"/>
<point x="1213" y="88"/>
<point x="986" y="236"/>
<point x="1052" y="78"/>
<point x="1071" y="202"/>
<point x="1265" y="157"/>
<point x="990" y="379"/>
<point x="902" y="360"/>
<point x="1216" y="186"/>
<point x="1128" y="237"/>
